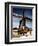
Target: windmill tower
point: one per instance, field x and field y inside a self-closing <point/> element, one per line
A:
<point x="22" y="24"/>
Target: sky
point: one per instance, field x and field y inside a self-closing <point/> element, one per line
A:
<point x="19" y="12"/>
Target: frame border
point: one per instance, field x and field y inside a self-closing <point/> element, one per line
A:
<point x="7" y="30"/>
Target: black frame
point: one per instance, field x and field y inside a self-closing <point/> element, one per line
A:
<point x="7" y="30"/>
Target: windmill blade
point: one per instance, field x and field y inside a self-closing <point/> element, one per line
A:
<point x="28" y="18"/>
<point x="20" y="16"/>
<point x="17" y="15"/>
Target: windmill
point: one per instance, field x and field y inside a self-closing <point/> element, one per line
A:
<point x="23" y="22"/>
<point x="23" y="29"/>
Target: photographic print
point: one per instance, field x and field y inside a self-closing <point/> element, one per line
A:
<point x="21" y="22"/>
